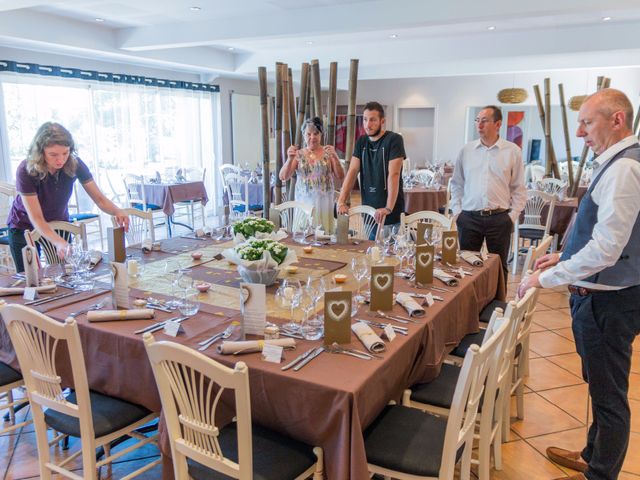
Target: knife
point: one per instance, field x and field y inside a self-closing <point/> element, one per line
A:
<point x="159" y="325"/>
<point x="155" y="306"/>
<point x="299" y="358"/>
<point x="41" y="301"/>
<point x="317" y="352"/>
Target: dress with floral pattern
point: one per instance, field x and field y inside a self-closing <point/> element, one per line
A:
<point x="315" y="186"/>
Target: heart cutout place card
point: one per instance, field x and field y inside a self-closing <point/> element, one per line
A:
<point x="425" y="254"/>
<point x="30" y="261"/>
<point x="381" y="288"/>
<point x="450" y="247"/>
<point x="342" y="230"/>
<point x="423" y="233"/>
<point x="253" y="306"/>
<point x="337" y="317"/>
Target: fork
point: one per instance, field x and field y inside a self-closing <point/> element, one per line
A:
<point x="95" y="306"/>
<point x="218" y="336"/>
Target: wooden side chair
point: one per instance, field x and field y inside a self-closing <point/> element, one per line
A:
<point x="140" y="226"/>
<point x="71" y="232"/>
<point x="362" y="223"/>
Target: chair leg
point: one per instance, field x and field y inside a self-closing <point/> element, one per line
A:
<point x="514" y="249"/>
<point x="484" y="458"/>
<point x="319" y="473"/>
<point x="506" y="415"/>
<point x="520" y="400"/>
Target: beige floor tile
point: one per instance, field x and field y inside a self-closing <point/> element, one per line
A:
<point x="568" y="361"/>
<point x="520" y="460"/>
<point x="552" y="319"/>
<point x="632" y="460"/>
<point x="628" y="476"/>
<point x="572" y="400"/>
<point x="24" y="463"/>
<point x="566" y="333"/>
<point x="554" y="300"/>
<point x="634" y="386"/>
<point x="542" y="308"/>
<point x="536" y="327"/>
<point x="549" y="343"/>
<point x="545" y="375"/>
<point x="573" y="439"/>
<point x="119" y="470"/>
<point x="635" y="415"/>
<point x="541" y="417"/>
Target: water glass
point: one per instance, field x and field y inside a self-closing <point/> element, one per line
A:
<point x="189" y="304"/>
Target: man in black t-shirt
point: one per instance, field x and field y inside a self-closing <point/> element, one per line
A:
<point x="377" y="157"/>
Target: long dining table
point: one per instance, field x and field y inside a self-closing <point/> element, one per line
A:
<point x="330" y="401"/>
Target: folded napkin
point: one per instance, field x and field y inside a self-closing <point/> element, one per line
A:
<point x="445" y="277"/>
<point x="4" y="291"/>
<point x="368" y="337"/>
<point x="251" y="346"/>
<point x="108" y="315"/>
<point x="412" y="307"/>
<point x="471" y="258"/>
<point x="96" y="257"/>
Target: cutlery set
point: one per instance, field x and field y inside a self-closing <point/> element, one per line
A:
<point x="218" y="336"/>
<point x="301" y="360"/>
<point x="160" y="325"/>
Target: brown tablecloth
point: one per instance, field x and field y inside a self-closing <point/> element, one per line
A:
<point x="420" y="199"/>
<point x="165" y="195"/>
<point x="328" y="403"/>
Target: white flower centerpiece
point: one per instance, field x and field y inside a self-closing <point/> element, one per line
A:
<point x="254" y="227"/>
<point x="259" y="261"/>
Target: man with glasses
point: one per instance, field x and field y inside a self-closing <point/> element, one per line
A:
<point x="487" y="188"/>
<point x="601" y="265"/>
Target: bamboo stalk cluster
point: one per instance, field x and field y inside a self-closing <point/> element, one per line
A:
<point x="291" y="112"/>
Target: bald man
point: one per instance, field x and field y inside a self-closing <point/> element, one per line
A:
<point x="601" y="265"/>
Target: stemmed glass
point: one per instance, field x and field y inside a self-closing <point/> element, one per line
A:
<point x="317" y="228"/>
<point x="74" y="254"/>
<point x="359" y="267"/>
<point x="400" y="248"/>
<point x="171" y="274"/>
<point x="288" y="296"/>
<point x="409" y="253"/>
<point x="301" y="230"/>
<point x="310" y="329"/>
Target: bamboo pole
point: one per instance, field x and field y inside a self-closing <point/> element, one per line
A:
<point x="331" y="104"/>
<point x="315" y="87"/>
<point x="292" y="108"/>
<point x="302" y="104"/>
<point x="286" y="129"/>
<point x="309" y="113"/>
<point x="278" y="132"/>
<point x="351" y="112"/>
<point x="567" y="139"/>
<point x="547" y="126"/>
<point x="541" y="112"/>
<point x="262" y="76"/>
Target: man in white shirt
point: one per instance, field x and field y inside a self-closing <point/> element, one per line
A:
<point x="487" y="188"/>
<point x="601" y="265"/>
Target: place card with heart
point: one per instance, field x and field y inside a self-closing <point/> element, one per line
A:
<point x="423" y="233"/>
<point x="30" y="261"/>
<point x="450" y="247"/>
<point x="274" y="216"/>
<point x="119" y="285"/>
<point x="381" y="288"/>
<point x="337" y="317"/>
<point x="342" y="230"/>
<point x="253" y="301"/>
<point x="425" y="255"/>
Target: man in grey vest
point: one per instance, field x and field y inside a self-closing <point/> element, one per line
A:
<point x="601" y="265"/>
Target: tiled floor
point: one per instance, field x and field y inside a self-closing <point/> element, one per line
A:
<point x="555" y="410"/>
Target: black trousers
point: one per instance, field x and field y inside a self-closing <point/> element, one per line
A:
<point x="16" y="243"/>
<point x="605" y="325"/>
<point x="496" y="229"/>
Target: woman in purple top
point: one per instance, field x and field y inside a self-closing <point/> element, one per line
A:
<point x="45" y="184"/>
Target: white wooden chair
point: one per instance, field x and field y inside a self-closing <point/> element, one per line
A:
<point x="94" y="418"/>
<point x="533" y="173"/>
<point x="227" y="169"/>
<point x="7" y="195"/>
<point x="71" y="232"/>
<point x="552" y="186"/>
<point x="85" y="217"/>
<point x="136" y="198"/>
<point x="190" y="386"/>
<point x="189" y="207"/>
<point x="406" y="443"/>
<point x="294" y="213"/>
<point x="532" y="227"/>
<point x="10" y="380"/>
<point x="140" y="226"/>
<point x="362" y="223"/>
<point x="237" y="190"/>
<point x="436" y="396"/>
<point x="408" y="223"/>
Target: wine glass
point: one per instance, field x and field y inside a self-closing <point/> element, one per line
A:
<point x="300" y="230"/>
<point x="288" y="296"/>
<point x="310" y="329"/>
<point x="171" y="273"/>
<point x="318" y="287"/>
<point x="400" y="248"/>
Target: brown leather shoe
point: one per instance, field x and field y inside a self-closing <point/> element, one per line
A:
<point x="577" y="476"/>
<point x="568" y="459"/>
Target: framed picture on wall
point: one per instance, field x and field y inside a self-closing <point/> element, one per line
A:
<point x="341" y="127"/>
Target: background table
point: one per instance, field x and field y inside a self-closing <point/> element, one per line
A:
<point x="165" y="195"/>
<point x="419" y="198"/>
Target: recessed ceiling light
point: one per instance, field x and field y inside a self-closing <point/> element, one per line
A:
<point x="491" y="28"/>
<point x="309" y="42"/>
<point x="99" y="20"/>
<point x="606" y="19"/>
<point x="393" y="35"/>
<point x="195" y="9"/>
<point x="230" y="48"/>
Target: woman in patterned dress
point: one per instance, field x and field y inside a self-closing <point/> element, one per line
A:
<point x="318" y="170"/>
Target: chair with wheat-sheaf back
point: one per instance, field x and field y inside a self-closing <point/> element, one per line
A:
<point x="362" y="223"/>
<point x="96" y="419"/>
<point x="190" y="386"/>
<point x="533" y="227"/>
<point x="406" y="443"/>
<point x="408" y="223"/>
<point x="140" y="226"/>
<point x="71" y="232"/>
<point x="294" y="214"/>
<point x="227" y="169"/>
<point x="552" y="186"/>
<point x="88" y="218"/>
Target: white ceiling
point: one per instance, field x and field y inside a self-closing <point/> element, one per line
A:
<point x="235" y="37"/>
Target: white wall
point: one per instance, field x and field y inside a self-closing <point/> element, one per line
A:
<point x="452" y="95"/>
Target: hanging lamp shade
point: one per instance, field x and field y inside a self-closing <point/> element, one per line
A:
<point x="512" y="95"/>
<point x="576" y="102"/>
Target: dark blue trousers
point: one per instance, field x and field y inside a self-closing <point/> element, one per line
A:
<point x="605" y="325"/>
